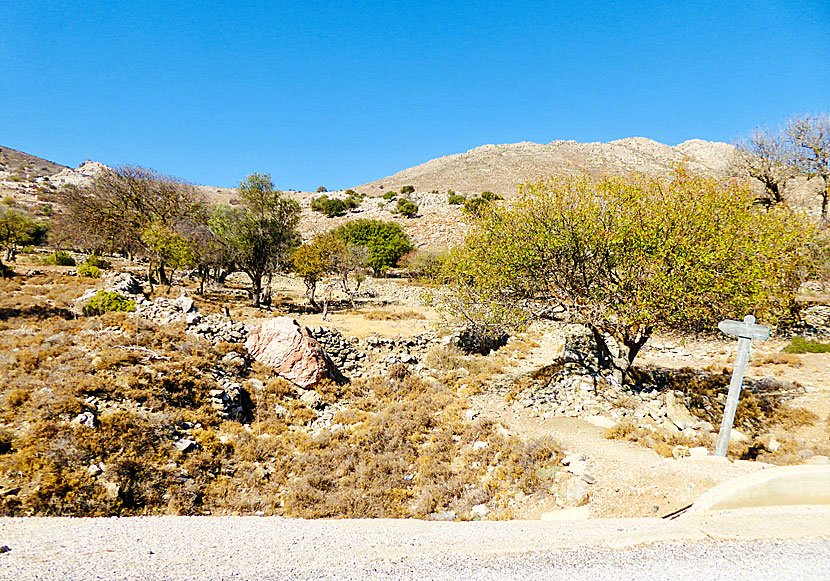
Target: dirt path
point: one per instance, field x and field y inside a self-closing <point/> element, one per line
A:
<point x="630" y="480"/>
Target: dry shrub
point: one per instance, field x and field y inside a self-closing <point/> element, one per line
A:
<point x="782" y="359"/>
<point x="397" y="315"/>
<point x="661" y="441"/>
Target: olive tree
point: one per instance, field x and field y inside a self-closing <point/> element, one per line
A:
<point x="810" y="138"/>
<point x="766" y="156"/>
<point x="626" y="257"/>
<point x="126" y="210"/>
<point x="260" y="233"/>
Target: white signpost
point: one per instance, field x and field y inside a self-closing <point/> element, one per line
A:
<point x="746" y="331"/>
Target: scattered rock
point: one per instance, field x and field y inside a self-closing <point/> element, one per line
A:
<point x="184" y="445"/>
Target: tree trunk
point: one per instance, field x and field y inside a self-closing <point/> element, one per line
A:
<point x="163" y="278"/>
<point x="256" y="287"/>
<point x="630" y="344"/>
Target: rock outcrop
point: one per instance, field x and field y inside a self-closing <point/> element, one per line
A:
<point x="290" y="350"/>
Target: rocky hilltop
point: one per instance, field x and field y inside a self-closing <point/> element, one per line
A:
<point x="501" y="168"/>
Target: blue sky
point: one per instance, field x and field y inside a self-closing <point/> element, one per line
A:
<point x="342" y="93"/>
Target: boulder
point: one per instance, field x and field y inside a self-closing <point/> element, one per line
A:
<point x="290" y="350"/>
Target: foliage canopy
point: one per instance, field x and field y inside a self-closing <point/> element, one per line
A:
<point x="628" y="256"/>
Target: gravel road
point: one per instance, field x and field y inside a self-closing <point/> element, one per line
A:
<point x="763" y="544"/>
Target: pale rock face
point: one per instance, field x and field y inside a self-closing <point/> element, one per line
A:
<point x="290" y="351"/>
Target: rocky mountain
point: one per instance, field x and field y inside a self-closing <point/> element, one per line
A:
<point x="501" y="168"/>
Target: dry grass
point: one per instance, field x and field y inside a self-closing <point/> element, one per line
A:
<point x="398" y="448"/>
<point x="396" y="315"/>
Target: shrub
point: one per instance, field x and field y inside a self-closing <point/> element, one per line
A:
<point x="408" y="190"/>
<point x="321" y="189"/>
<point x="389" y="196"/>
<point x="98" y="262"/>
<point x="89" y="271"/>
<point x="804" y="345"/>
<point x="8" y="201"/>
<point x="105" y="302"/>
<point x="490" y="196"/>
<point x="60" y="258"/>
<point x="630" y="256"/>
<point x="456" y="199"/>
<point x="407" y="208"/>
<point x="332" y="207"/>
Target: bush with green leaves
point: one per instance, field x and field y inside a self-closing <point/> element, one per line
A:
<point x="98" y="262"/>
<point x="385" y="241"/>
<point x="456" y="199"/>
<point x="333" y="207"/>
<point x="626" y="257"/>
<point x="89" y="271"/>
<point x="389" y="196"/>
<point x="407" y="208"/>
<point x="108" y="301"/>
<point x="60" y="258"/>
<point x="407" y="190"/>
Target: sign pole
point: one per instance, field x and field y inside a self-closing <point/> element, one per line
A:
<point x="746" y="331"/>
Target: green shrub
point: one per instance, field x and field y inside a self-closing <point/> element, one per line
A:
<point x="407" y="208"/>
<point x="321" y="189"/>
<point x="105" y="302"/>
<point x="8" y="201"/>
<point x="89" y="271"/>
<point x="332" y="207"/>
<point x="408" y="190"/>
<point x="389" y="196"/>
<point x="60" y="258"/>
<point x="456" y="199"/>
<point x="490" y="196"/>
<point x="804" y="345"/>
<point x="98" y="262"/>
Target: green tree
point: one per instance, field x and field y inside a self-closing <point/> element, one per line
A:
<point x="166" y="247"/>
<point x="260" y="233"/>
<point x="628" y="256"/>
<point x="408" y="190"/>
<point x="17" y="229"/>
<point x="312" y="261"/>
<point x="386" y="242"/>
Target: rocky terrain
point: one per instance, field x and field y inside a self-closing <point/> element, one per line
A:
<point x="501" y="168"/>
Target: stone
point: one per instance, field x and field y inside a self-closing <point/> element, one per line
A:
<point x="680" y="451"/>
<point x="773" y="445"/>
<point x="480" y="445"/>
<point x="312" y="399"/>
<point x="471" y="415"/>
<point x="577" y="492"/>
<point x="290" y="350"/>
<point x="738" y="436"/>
<point x="678" y="413"/>
<point x="234" y="360"/>
<point x="817" y="459"/>
<point x="480" y="510"/>
<point x="184" y="445"/>
<point x="111" y="489"/>
<point x="699" y="452"/>
<point x="94" y="470"/>
<point x="86" y="419"/>
<point x="185" y="303"/>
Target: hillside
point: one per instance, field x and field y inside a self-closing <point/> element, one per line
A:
<point x="501" y="168"/>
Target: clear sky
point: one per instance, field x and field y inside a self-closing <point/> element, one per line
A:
<point x="342" y="93"/>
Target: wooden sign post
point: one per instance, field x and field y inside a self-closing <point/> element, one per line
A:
<point x="746" y="331"/>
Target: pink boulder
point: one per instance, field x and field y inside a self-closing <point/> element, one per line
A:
<point x="290" y="351"/>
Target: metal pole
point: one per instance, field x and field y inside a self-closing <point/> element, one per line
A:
<point x="741" y="362"/>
